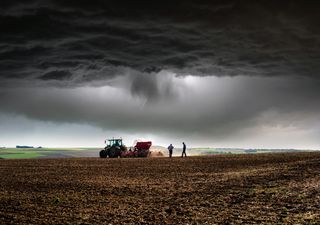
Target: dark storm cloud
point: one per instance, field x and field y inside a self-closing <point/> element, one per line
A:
<point x="56" y="75"/>
<point x="96" y="40"/>
<point x="125" y="66"/>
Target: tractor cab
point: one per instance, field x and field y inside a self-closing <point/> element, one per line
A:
<point x="114" y="142"/>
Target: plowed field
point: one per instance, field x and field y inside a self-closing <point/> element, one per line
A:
<point x="261" y="188"/>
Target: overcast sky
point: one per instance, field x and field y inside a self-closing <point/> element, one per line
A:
<point x="217" y="73"/>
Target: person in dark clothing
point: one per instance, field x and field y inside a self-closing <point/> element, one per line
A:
<point x="184" y="148"/>
<point x="170" y="148"/>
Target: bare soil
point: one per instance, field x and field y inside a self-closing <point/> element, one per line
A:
<point x="223" y="189"/>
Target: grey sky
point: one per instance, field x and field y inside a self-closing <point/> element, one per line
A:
<point x="224" y="74"/>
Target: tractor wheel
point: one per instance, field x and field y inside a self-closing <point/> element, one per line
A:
<point x="103" y="154"/>
<point x="112" y="152"/>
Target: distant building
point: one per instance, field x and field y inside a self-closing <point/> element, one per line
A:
<point x="23" y="146"/>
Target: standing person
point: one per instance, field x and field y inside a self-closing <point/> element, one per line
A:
<point x="170" y="148"/>
<point x="184" y="147"/>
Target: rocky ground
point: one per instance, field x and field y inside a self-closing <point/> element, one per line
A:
<point x="260" y="188"/>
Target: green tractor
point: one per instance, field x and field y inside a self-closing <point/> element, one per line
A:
<point x="114" y="148"/>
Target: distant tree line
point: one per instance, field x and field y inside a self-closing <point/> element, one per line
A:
<point x="25" y="146"/>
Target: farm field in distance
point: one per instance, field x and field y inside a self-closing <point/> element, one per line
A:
<point x="229" y="188"/>
<point x="28" y="153"/>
